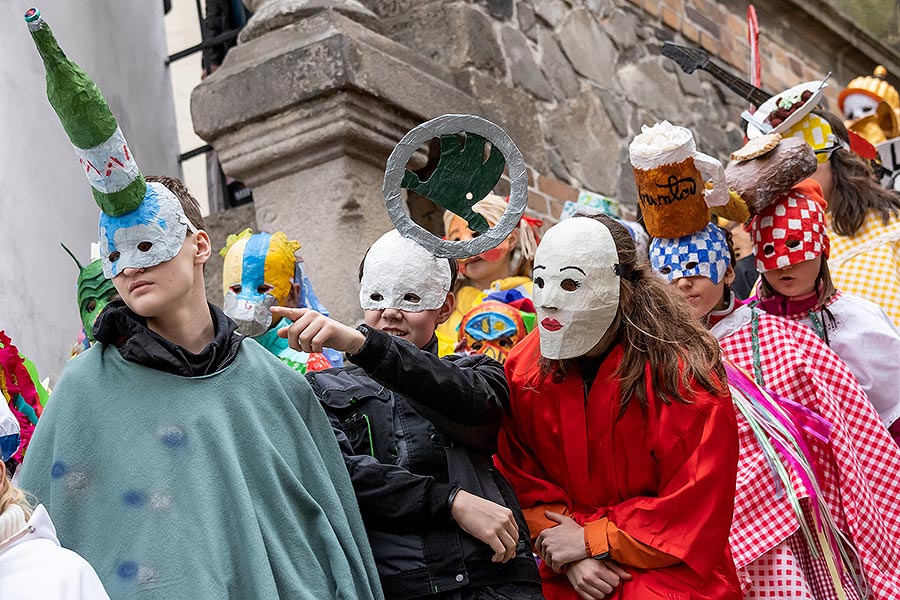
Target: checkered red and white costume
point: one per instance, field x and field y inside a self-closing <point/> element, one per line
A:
<point x="857" y="470"/>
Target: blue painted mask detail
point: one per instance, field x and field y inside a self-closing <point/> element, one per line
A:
<point x="703" y="253"/>
<point x="145" y="237"/>
<point x="490" y="326"/>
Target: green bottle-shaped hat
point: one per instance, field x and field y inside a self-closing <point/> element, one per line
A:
<point x="116" y="181"/>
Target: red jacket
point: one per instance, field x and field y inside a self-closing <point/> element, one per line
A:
<point x="664" y="475"/>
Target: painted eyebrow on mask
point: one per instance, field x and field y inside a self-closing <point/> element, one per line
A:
<point x="572" y="267"/>
<point x="536" y="267"/>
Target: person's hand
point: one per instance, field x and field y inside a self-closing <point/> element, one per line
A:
<point x="207" y="72"/>
<point x="595" y="579"/>
<point x="488" y="522"/>
<point x="562" y="543"/>
<point x="311" y="331"/>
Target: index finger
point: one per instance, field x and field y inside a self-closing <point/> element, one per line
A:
<point x="291" y="313"/>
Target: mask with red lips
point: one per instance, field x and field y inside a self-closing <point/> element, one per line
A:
<point x="576" y="288"/>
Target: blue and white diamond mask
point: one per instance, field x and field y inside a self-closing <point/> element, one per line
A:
<point x="151" y="234"/>
<point x="703" y="253"/>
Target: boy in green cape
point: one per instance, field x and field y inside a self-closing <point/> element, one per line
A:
<point x="181" y="459"/>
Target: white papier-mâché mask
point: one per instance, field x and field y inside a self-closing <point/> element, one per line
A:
<point x="399" y="273"/>
<point x="576" y="288"/>
<point x="151" y="234"/>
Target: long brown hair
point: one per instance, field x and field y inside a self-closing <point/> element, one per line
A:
<point x="655" y="327"/>
<point x="855" y="191"/>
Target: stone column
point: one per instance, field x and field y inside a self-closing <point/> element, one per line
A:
<point x="306" y="109"/>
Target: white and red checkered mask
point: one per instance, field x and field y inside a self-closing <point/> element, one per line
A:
<point x="791" y="230"/>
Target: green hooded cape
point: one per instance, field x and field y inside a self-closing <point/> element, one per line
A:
<point x="229" y="485"/>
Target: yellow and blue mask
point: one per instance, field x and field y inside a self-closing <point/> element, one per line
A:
<point x="260" y="272"/>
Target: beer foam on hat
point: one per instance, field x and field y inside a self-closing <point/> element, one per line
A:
<point x="663" y="143"/>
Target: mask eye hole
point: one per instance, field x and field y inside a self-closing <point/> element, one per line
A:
<point x="477" y="345"/>
<point x="90" y="305"/>
<point x="376" y="297"/>
<point x="792" y="244"/>
<point x="236" y="288"/>
<point x="505" y="342"/>
<point x="539" y="281"/>
<point x="145" y="246"/>
<point x="691" y="265"/>
<point x="769" y="249"/>
<point x="665" y="270"/>
<point x="411" y="298"/>
<point x="570" y="285"/>
<point x="114" y="256"/>
<point x="264" y="288"/>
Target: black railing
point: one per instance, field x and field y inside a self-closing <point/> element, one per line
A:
<point x="205" y="42"/>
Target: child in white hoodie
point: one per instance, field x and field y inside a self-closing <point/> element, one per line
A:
<point x="33" y="566"/>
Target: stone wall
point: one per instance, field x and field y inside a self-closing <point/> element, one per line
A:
<point x="590" y="70"/>
<point x="310" y="103"/>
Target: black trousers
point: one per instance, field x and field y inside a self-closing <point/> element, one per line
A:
<point x="504" y="591"/>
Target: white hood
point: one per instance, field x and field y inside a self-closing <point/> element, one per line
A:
<point x="33" y="565"/>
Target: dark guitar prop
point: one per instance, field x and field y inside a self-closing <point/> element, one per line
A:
<point x="691" y="59"/>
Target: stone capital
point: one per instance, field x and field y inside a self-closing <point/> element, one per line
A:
<point x="273" y="14"/>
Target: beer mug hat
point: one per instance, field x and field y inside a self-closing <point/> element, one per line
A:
<point x="676" y="184"/>
<point x="142" y="225"/>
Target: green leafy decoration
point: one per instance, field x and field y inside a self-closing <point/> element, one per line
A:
<point x="462" y="177"/>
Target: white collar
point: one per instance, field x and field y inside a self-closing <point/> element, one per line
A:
<point x="733" y="323"/>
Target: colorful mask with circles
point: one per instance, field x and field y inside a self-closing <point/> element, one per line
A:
<point x="492" y="328"/>
<point x="704" y="253"/>
<point x="259" y="272"/>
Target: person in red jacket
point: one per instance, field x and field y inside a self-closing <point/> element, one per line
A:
<point x="621" y="439"/>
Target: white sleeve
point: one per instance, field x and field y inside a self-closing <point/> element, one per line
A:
<point x="869" y="342"/>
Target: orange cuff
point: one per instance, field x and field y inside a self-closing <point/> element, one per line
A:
<point x="596" y="540"/>
<point x="626" y="550"/>
<point x="537" y="521"/>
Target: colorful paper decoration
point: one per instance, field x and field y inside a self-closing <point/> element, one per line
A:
<point x="465" y="173"/>
<point x="671" y="180"/>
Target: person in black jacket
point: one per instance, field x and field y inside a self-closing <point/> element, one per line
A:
<point x="418" y="433"/>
